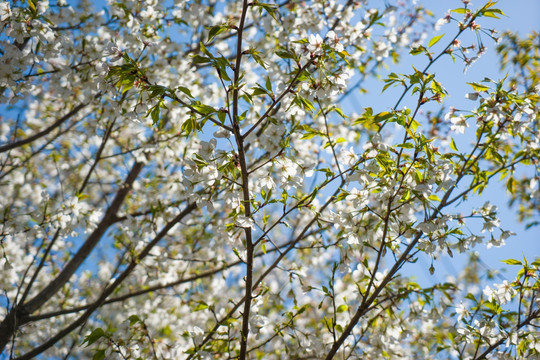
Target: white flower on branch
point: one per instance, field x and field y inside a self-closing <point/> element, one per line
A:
<point x="334" y="41"/>
<point x="501" y="293"/>
<point x="267" y="182"/>
<point x="245" y="222"/>
<point x="381" y="50"/>
<point x="459" y="124"/>
<point x="5" y="10"/>
<point x="315" y="44"/>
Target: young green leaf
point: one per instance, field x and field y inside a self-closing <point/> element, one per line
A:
<point x="478" y="87"/>
<point x="512" y="262"/>
<point x="435" y="40"/>
<point x="94" y="336"/>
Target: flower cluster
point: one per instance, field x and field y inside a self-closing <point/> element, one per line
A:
<point x="186" y="179"/>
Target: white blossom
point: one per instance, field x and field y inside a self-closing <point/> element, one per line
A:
<point x="459" y="124"/>
<point x="5" y="11"/>
<point x="315" y="44"/>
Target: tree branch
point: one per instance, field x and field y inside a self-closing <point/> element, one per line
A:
<point x="109" y="290"/>
<point x="44" y="132"/>
<point x="19" y="313"/>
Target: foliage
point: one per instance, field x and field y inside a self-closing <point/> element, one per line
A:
<point x="185" y="179"/>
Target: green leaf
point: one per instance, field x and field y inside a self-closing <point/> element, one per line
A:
<point x="154" y="113"/>
<point x="435" y="40"/>
<point x="461" y="10"/>
<point x="285" y="54"/>
<point x="32" y="6"/>
<point x="303" y="103"/>
<point x="437" y="88"/>
<point x="200" y="306"/>
<point x="453" y="145"/>
<point x="184" y="90"/>
<point x="406" y="145"/>
<point x="156" y="90"/>
<point x="342" y="308"/>
<point x="205" y="51"/>
<point x="493" y="307"/>
<point x="511" y="185"/>
<point x="406" y="196"/>
<point x="215" y="31"/>
<point x="259" y="91"/>
<point x="255" y="55"/>
<point x="308" y="136"/>
<point x="492" y="13"/>
<point x="268" y="84"/>
<point x="189" y="125"/>
<point x="166" y="331"/>
<point x="417" y="50"/>
<point x="512" y="262"/>
<point x="340" y="112"/>
<point x="221" y="116"/>
<point x="270" y="9"/>
<point x="99" y="355"/>
<point x="94" y="336"/>
<point x="383" y="116"/>
<point x="478" y="87"/>
<point x="222" y="72"/>
<point x="198" y="59"/>
<point x="133" y="319"/>
<point x="204" y="109"/>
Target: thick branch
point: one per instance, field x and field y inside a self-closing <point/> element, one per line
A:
<point x="19" y="314"/>
<point x="44" y="132"/>
<point x="109" y="290"/>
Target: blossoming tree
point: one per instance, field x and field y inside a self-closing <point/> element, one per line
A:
<point x="199" y="179"/>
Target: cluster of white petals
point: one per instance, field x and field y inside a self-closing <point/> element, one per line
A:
<point x="203" y="180"/>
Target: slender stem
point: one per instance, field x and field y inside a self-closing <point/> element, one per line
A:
<point x="332" y="144"/>
<point x="289" y="88"/>
<point x="40" y="266"/>
<point x="290" y="247"/>
<point x="245" y="185"/>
